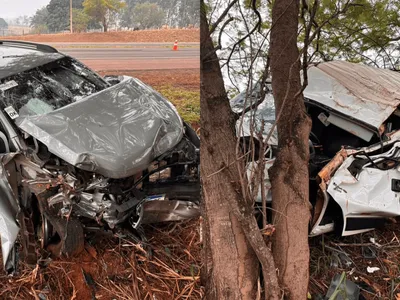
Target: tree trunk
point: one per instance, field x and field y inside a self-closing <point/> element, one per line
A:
<point x="289" y="174"/>
<point x="105" y="25"/>
<point x="233" y="271"/>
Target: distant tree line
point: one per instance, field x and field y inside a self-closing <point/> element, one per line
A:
<point x="3" y="24"/>
<point x="154" y="13"/>
<point x="102" y="14"/>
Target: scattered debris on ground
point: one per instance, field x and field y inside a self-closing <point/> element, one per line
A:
<point x="139" y="36"/>
<point x="110" y="268"/>
<point x="371" y="260"/>
<point x="342" y="288"/>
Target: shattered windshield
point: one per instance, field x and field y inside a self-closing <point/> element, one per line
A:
<point x="264" y="111"/>
<point x="259" y="119"/>
<point x="48" y="87"/>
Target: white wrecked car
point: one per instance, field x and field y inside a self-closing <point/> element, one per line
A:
<point x="354" y="144"/>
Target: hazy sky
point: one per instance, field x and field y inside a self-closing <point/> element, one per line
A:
<point x="16" y="8"/>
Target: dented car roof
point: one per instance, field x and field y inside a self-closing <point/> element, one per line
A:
<point x="366" y="94"/>
<point x="14" y="60"/>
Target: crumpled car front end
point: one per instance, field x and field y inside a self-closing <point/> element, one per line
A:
<point x="365" y="184"/>
<point x="111" y="160"/>
<point x="354" y="144"/>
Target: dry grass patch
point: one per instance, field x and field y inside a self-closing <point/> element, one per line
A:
<point x="111" y="268"/>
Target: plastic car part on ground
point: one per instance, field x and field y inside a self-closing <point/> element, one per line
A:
<point x="342" y="289"/>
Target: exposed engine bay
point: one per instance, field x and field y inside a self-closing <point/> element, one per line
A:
<point x="59" y="201"/>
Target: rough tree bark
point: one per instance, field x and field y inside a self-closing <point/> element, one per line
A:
<point x="234" y="267"/>
<point x="235" y="246"/>
<point x="105" y="25"/>
<point x="289" y="174"/>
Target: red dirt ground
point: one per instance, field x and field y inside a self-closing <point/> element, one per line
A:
<point x="110" y="270"/>
<point x="154" y="64"/>
<point x="183" y="78"/>
<point x="140" y="36"/>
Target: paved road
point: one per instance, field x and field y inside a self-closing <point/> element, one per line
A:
<point x="134" y="56"/>
<point x="110" y="44"/>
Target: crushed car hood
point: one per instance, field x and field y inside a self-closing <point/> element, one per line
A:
<point x="369" y="95"/>
<point x="116" y="132"/>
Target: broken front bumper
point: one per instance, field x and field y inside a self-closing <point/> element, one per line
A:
<point x="364" y="183"/>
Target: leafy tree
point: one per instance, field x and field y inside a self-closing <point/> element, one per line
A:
<point x="127" y="13"/>
<point x="368" y="31"/>
<point x="180" y="13"/>
<point x="39" y="20"/>
<point x="3" y="24"/>
<point x="18" y="21"/>
<point x="93" y="24"/>
<point x="99" y="10"/>
<point x="189" y="13"/>
<point x="80" y="20"/>
<point x="126" y="17"/>
<point x="21" y="20"/>
<point x="176" y="13"/>
<point x="148" y="15"/>
<point x="25" y="20"/>
<point x="171" y="10"/>
<point x="39" y="29"/>
<point x="58" y="19"/>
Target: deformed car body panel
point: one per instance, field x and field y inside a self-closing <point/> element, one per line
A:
<point x="354" y="112"/>
<point x="115" y="132"/>
<point x="363" y="93"/>
<point x="364" y="191"/>
<point x="9" y="209"/>
<point x="349" y="126"/>
<point x="357" y="92"/>
<point x="17" y="60"/>
<point x="168" y="210"/>
<point x="369" y="193"/>
<point x="254" y="120"/>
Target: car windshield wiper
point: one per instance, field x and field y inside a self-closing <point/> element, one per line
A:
<point x="12" y="56"/>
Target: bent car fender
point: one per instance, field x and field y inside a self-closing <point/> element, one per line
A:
<point x="9" y="228"/>
<point x="369" y="195"/>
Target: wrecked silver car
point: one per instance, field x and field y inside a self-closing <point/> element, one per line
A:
<point x="354" y="144"/>
<point x="80" y="152"/>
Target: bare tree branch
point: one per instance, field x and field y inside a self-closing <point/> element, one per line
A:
<point x="222" y="16"/>
<point x="219" y="46"/>
<point x="256" y="27"/>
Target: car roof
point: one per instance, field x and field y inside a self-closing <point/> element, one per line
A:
<point x="17" y="57"/>
<point x="367" y="94"/>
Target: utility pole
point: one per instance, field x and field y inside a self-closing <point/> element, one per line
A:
<point x="70" y="16"/>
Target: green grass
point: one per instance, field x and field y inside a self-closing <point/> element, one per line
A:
<point x="186" y="101"/>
